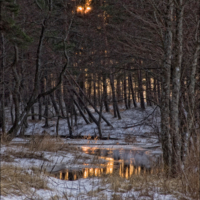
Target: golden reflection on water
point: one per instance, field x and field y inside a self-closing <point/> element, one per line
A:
<point x="120" y="167"/>
<point x="66" y="176"/>
<point x="124" y="171"/>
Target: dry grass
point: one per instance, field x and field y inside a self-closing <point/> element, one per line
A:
<point x="130" y="139"/>
<point x="39" y="143"/>
<point x="6" y="157"/>
<point x="45" y="143"/>
<point x="5" y="139"/>
<point x="17" y="181"/>
<point x="149" y="184"/>
<point x="190" y="176"/>
<point x="11" y="154"/>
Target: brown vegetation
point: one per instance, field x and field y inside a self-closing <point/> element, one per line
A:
<point x="17" y="181"/>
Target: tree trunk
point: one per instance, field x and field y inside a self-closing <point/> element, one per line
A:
<point x="54" y="104"/>
<point x="142" y="104"/>
<point x="132" y="90"/>
<point x="2" y="101"/>
<point x="129" y="95"/>
<point x="176" y="73"/>
<point x="59" y="98"/>
<point x="155" y="90"/>
<point x="46" y="112"/>
<point x="81" y="112"/>
<point x="119" y="90"/>
<point x="125" y="91"/>
<point x="115" y="104"/>
<point x="106" y="94"/>
<point x="94" y="90"/>
<point x="166" y="73"/>
<point x="191" y="90"/>
<point x="148" y="90"/>
<point x="33" y="113"/>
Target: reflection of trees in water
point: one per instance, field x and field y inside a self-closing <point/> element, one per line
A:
<point x="121" y="169"/>
<point x="125" y="163"/>
<point x="136" y="157"/>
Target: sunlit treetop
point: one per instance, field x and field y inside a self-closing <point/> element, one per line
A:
<point x="86" y="8"/>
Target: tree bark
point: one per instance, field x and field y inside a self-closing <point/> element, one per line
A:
<point x="191" y="91"/>
<point x="142" y="104"/>
<point x="125" y="91"/>
<point x="106" y="94"/>
<point x="2" y="101"/>
<point x="115" y="104"/>
<point x="94" y="90"/>
<point x="132" y="90"/>
<point x="176" y="73"/>
<point x="165" y="98"/>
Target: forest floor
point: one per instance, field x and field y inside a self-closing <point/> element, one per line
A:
<point x="123" y="165"/>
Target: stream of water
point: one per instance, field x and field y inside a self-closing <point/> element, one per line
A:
<point x="122" y="162"/>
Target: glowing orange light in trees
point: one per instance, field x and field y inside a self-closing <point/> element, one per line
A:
<point x="80" y="9"/>
<point x="86" y="8"/>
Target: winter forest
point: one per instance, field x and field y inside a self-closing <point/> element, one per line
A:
<point x="100" y="99"/>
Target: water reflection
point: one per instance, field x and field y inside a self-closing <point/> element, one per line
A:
<point x="125" y="163"/>
<point x="111" y="167"/>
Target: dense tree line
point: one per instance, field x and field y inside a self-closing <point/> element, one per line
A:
<point x="71" y="54"/>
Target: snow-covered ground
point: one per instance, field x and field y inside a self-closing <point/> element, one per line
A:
<point x="137" y="131"/>
<point x="134" y="121"/>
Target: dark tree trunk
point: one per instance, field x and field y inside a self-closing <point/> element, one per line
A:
<point x="115" y="104"/>
<point x="94" y="88"/>
<point x="125" y="91"/>
<point x="33" y="112"/>
<point x="41" y="101"/>
<point x="59" y="98"/>
<point x="158" y="91"/>
<point x="46" y="112"/>
<point x="11" y="112"/>
<point x="2" y="81"/>
<point x="129" y="95"/>
<point x="106" y="94"/>
<point x="81" y="112"/>
<point x="69" y="124"/>
<point x="89" y="86"/>
<point x="142" y="104"/>
<point x="54" y="104"/>
<point x="132" y="90"/>
<point x="148" y="90"/>
<point x="119" y="89"/>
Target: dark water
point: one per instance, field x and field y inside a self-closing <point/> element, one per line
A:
<point x="124" y="163"/>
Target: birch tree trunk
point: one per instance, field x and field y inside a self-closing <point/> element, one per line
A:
<point x="191" y="91"/>
<point x="165" y="96"/>
<point x="176" y="72"/>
